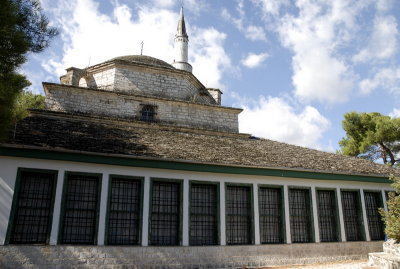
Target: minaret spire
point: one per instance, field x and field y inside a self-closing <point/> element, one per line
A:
<point x="181" y="45"/>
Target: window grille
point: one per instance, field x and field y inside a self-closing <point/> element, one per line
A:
<point x="124" y="212"/>
<point x="32" y="218"/>
<point x="239" y="215"/>
<point x="203" y="214"/>
<point x="165" y="214"/>
<point x="80" y="209"/>
<point x="147" y="113"/>
<point x="300" y="215"/>
<point x="352" y="215"/>
<point x="327" y="216"/>
<point x="375" y="225"/>
<point x="270" y="208"/>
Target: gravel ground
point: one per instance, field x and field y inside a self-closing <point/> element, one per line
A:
<point x="358" y="264"/>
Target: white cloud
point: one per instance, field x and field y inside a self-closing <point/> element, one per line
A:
<point x="272" y="6"/>
<point x="255" y="33"/>
<point x="395" y="113"/>
<point x="386" y="79"/>
<point x="315" y="36"/>
<point x="276" y="119"/>
<point x="89" y="34"/>
<point x="251" y="32"/>
<point x="383" y="42"/>
<point x="254" y="60"/>
<point x="164" y="3"/>
<point x="210" y="59"/>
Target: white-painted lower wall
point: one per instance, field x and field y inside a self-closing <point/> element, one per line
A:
<point x="9" y="167"/>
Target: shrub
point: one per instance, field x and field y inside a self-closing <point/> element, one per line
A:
<point x="391" y="217"/>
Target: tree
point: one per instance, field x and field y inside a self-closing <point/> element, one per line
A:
<point x="392" y="216"/>
<point x="23" y="29"/>
<point x="372" y="136"/>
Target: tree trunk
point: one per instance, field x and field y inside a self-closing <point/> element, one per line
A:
<point x="388" y="152"/>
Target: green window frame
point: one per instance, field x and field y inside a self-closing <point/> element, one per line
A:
<point x="124" y="210"/>
<point x="352" y="215"/>
<point x="328" y="218"/>
<point x="271" y="214"/>
<point x="203" y="213"/>
<point x="239" y="214"/>
<point x="80" y="208"/>
<point x="300" y="211"/>
<point x="165" y="216"/>
<point x="32" y="207"/>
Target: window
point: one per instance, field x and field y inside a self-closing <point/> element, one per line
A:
<point x="327" y="216"/>
<point x="270" y="208"/>
<point x="147" y="113"/>
<point x="203" y="214"/>
<point x="80" y="209"/>
<point x="34" y="197"/>
<point x="352" y="215"/>
<point x="300" y="215"/>
<point x="165" y="213"/>
<point x="375" y="225"/>
<point x="238" y="215"/>
<point x="124" y="216"/>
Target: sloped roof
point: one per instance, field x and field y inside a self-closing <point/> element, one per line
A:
<point x="50" y="130"/>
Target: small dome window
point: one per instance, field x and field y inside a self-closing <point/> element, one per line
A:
<point x="148" y="113"/>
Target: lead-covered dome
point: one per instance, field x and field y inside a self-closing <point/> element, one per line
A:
<point x="141" y="59"/>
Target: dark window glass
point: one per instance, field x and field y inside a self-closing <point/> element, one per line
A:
<point x="352" y="215"/>
<point x="80" y="209"/>
<point x="147" y="113"/>
<point x="375" y="224"/>
<point x="300" y="215"/>
<point x="203" y="214"/>
<point x="238" y="215"/>
<point x="165" y="214"/>
<point x="327" y="216"/>
<point x="124" y="213"/>
<point x="32" y="218"/>
<point x="270" y="207"/>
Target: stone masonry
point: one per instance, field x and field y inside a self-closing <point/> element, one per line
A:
<point x="103" y="103"/>
<point x="118" y="257"/>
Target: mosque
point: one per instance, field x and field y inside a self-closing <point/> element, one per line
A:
<point x="135" y="163"/>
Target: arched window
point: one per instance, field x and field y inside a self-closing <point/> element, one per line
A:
<point x="147" y="113"/>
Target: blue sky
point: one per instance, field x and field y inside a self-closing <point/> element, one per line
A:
<point x="294" y="66"/>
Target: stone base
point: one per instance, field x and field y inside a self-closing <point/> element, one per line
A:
<point x="118" y="257"/>
<point x="389" y="258"/>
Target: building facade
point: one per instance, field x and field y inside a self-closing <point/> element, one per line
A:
<point x="134" y="162"/>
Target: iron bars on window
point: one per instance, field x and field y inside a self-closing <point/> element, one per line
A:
<point x="270" y="209"/>
<point x="32" y="218"/>
<point x="124" y="213"/>
<point x="238" y="215"/>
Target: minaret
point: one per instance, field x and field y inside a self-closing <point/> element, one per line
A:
<point x="181" y="46"/>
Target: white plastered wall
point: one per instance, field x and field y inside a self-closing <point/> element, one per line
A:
<point x="9" y="167"/>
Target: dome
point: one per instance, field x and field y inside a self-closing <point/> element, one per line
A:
<point x="140" y="59"/>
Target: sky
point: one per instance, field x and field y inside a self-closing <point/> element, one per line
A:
<point x="294" y="66"/>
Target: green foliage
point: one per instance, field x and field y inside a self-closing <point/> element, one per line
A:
<point x="392" y="216"/>
<point x="11" y="85"/>
<point x="372" y="136"/>
<point x="23" y="29"/>
<point x="24" y="101"/>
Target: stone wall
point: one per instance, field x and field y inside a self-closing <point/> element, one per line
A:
<point x="158" y="84"/>
<point x="103" y="103"/>
<point x="180" y="257"/>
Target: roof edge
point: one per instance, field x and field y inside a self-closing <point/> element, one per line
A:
<point x="24" y="151"/>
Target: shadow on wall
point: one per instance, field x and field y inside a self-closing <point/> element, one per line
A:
<point x="6" y="194"/>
